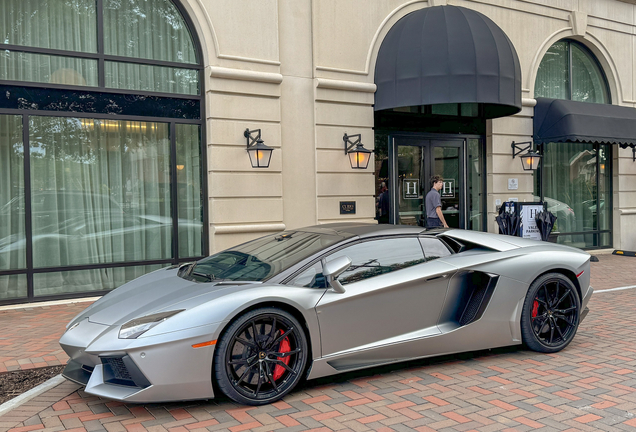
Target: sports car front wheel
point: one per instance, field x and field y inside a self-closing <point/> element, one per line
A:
<point x="550" y="315"/>
<point x="261" y="356"/>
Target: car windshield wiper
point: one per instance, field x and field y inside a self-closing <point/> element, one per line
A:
<point x="186" y="271"/>
<point x="207" y="277"/>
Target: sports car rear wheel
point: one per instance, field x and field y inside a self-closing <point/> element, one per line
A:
<point x="260" y="357"/>
<point x="550" y="315"/>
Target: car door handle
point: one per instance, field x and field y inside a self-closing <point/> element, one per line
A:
<point x="437" y="277"/>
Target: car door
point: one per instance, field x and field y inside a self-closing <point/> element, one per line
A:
<point x="391" y="294"/>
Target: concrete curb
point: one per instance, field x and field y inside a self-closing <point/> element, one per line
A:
<point x="27" y="396"/>
<point x="49" y="303"/>
<point x="614" y="289"/>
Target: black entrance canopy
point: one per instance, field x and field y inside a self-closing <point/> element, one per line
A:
<point x="448" y="54"/>
<point x="557" y="120"/>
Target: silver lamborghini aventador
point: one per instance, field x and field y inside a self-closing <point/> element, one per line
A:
<point x="254" y="320"/>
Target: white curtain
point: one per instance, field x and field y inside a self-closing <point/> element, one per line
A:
<point x="588" y="84"/>
<point x="149" y="29"/>
<point x="162" y="79"/>
<point x="100" y="194"/>
<point x="552" y="76"/>
<point x="55" y="24"/>
<point x="12" y="231"/>
<point x="189" y="190"/>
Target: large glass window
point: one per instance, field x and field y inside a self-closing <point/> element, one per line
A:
<point x="151" y="30"/>
<point x="574" y="178"/>
<point x="100" y="191"/>
<point x="101" y="157"/>
<point x="570" y="71"/>
<point x="576" y="187"/>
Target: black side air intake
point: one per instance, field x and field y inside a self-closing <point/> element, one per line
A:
<point x="475" y="298"/>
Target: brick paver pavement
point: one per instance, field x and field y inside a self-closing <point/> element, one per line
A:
<point x="613" y="271"/>
<point x="591" y="385"/>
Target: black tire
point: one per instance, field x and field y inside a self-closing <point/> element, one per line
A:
<point x="550" y="315"/>
<point x="249" y="366"/>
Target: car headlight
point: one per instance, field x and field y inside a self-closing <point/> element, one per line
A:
<point x="135" y="328"/>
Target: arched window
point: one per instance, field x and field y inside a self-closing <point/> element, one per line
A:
<point x="569" y="70"/>
<point x="575" y="177"/>
<point x="101" y="162"/>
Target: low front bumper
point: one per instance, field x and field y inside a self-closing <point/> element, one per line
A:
<point x="154" y="369"/>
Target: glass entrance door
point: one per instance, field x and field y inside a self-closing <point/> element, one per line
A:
<point x="447" y="161"/>
<point x="413" y="160"/>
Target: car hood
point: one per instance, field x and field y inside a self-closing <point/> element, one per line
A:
<point x="158" y="291"/>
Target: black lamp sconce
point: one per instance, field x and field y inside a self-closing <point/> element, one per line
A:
<point x="260" y="154"/>
<point x="529" y="160"/>
<point x="359" y="156"/>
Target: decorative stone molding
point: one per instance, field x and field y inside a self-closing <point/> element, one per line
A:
<point x="438" y="2"/>
<point x="528" y="102"/>
<point x="245" y="75"/>
<point x="578" y="21"/>
<point x="345" y="85"/>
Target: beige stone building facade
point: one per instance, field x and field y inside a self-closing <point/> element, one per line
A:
<point x="305" y="72"/>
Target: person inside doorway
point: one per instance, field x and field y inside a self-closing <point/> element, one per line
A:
<point x="434" y="215"/>
<point x="383" y="204"/>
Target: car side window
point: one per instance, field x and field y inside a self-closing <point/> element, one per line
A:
<point x="311" y="278"/>
<point x="434" y="248"/>
<point x="376" y="257"/>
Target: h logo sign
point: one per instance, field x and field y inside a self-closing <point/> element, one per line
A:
<point x="448" y="190"/>
<point x="411" y="188"/>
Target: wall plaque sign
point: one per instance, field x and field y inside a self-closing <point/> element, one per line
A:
<point x="528" y="225"/>
<point x="347" y="207"/>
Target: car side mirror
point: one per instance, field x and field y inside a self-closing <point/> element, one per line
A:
<point x="333" y="269"/>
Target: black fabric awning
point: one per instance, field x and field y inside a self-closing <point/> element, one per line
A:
<point x="448" y="54"/>
<point x="557" y="120"/>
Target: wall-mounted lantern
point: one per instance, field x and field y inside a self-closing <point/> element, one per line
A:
<point x="358" y="157"/>
<point x="530" y="160"/>
<point x="260" y="154"/>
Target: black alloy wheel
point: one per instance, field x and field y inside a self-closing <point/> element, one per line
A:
<point x="261" y="356"/>
<point x="550" y="315"/>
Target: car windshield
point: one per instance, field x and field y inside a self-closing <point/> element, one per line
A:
<point x="262" y="258"/>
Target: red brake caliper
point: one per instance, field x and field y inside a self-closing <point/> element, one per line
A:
<point x="535" y="309"/>
<point x="282" y="348"/>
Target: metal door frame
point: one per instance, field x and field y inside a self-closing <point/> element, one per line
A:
<point x="428" y="142"/>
